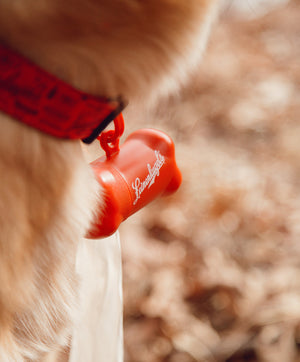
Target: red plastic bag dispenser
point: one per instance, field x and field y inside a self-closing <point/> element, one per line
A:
<point x="133" y="175"/>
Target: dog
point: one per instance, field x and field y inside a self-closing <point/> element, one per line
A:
<point x="137" y="49"/>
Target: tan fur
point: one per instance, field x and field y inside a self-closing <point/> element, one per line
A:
<point x="139" y="49"/>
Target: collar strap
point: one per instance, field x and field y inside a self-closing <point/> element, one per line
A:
<point x="40" y="100"/>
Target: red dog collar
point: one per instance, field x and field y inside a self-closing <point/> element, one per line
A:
<point x="40" y="100"/>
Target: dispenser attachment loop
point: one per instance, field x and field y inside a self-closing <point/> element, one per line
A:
<point x="109" y="140"/>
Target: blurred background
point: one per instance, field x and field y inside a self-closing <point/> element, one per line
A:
<point x="213" y="272"/>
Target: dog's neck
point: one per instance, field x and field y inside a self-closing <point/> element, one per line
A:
<point x="40" y="100"/>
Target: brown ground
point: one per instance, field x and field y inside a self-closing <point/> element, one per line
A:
<point x="213" y="273"/>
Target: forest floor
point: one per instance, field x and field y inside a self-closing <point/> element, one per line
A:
<point x="212" y="273"/>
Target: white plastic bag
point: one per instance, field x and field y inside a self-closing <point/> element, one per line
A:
<point x="98" y="334"/>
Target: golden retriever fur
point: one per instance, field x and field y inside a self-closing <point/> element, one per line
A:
<point x="139" y="49"/>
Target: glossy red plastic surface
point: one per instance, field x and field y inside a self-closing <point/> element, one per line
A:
<point x="142" y="170"/>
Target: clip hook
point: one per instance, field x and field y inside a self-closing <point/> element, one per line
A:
<point x="109" y="140"/>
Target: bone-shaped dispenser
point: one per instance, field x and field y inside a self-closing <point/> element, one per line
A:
<point x="143" y="169"/>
